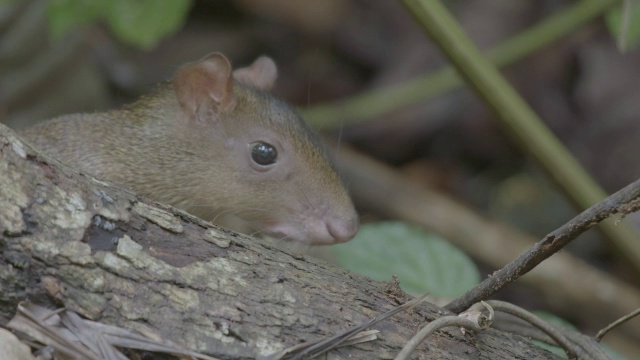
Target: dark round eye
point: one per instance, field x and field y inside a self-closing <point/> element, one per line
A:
<point x="263" y="153"/>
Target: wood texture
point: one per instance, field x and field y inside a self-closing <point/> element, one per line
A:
<point x="70" y="240"/>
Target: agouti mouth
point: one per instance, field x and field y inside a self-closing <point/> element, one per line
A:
<point x="318" y="232"/>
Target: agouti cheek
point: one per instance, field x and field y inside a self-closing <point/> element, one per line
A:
<point x="288" y="176"/>
<point x="229" y="143"/>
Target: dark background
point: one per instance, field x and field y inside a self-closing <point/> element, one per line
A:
<point x="584" y="89"/>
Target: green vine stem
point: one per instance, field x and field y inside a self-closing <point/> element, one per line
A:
<point x="369" y="104"/>
<point x="521" y="123"/>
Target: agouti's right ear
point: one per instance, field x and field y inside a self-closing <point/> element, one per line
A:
<point x="204" y="83"/>
<point x="262" y="73"/>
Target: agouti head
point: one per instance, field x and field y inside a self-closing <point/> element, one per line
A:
<point x="249" y="159"/>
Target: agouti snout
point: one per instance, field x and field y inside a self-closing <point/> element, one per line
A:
<point x="214" y="143"/>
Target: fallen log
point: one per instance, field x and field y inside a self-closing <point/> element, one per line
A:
<point x="69" y="240"/>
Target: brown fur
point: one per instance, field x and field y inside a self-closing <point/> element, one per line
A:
<point x="187" y="145"/>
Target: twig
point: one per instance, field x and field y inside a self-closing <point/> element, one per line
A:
<point x="317" y="348"/>
<point x="532" y="319"/>
<point x="69" y="334"/>
<point x="519" y="120"/>
<point x="472" y="319"/>
<point x="575" y="344"/>
<point x="618" y="322"/>
<point x="435" y="325"/>
<point x="377" y="102"/>
<point x="624" y="201"/>
<point x="378" y="186"/>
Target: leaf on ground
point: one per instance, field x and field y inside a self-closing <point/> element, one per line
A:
<point x="422" y="261"/>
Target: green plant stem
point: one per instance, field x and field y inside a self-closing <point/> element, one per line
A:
<point x="514" y="115"/>
<point x="377" y="102"/>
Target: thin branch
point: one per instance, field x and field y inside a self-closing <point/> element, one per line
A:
<point x="435" y="325"/>
<point x="316" y="348"/>
<point x="575" y="344"/>
<point x="377" y="102"/>
<point x="616" y="323"/>
<point x="624" y="201"/>
<point x="519" y="120"/>
<point x="532" y="319"/>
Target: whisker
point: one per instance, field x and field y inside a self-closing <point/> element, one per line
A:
<point x="219" y="214"/>
<point x="304" y="195"/>
<point x="258" y="232"/>
<point x="242" y="209"/>
<point x="339" y="139"/>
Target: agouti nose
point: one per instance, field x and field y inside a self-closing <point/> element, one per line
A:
<point x="342" y="229"/>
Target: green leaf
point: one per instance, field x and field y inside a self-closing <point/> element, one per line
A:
<point x="65" y="15"/>
<point x="422" y="261"/>
<point x="145" y="22"/>
<point x="141" y="23"/>
<point x="623" y="22"/>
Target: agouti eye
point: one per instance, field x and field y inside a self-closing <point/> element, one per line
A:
<point x="263" y="154"/>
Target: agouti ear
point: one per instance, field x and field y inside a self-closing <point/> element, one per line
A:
<point x="261" y="74"/>
<point x="206" y="82"/>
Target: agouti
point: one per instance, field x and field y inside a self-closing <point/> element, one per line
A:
<point x="213" y="143"/>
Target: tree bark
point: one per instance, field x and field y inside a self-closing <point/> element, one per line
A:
<point x="70" y="240"/>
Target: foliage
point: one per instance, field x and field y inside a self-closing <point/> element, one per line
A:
<point x="422" y="261"/>
<point x="141" y="23"/>
<point x="624" y="24"/>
